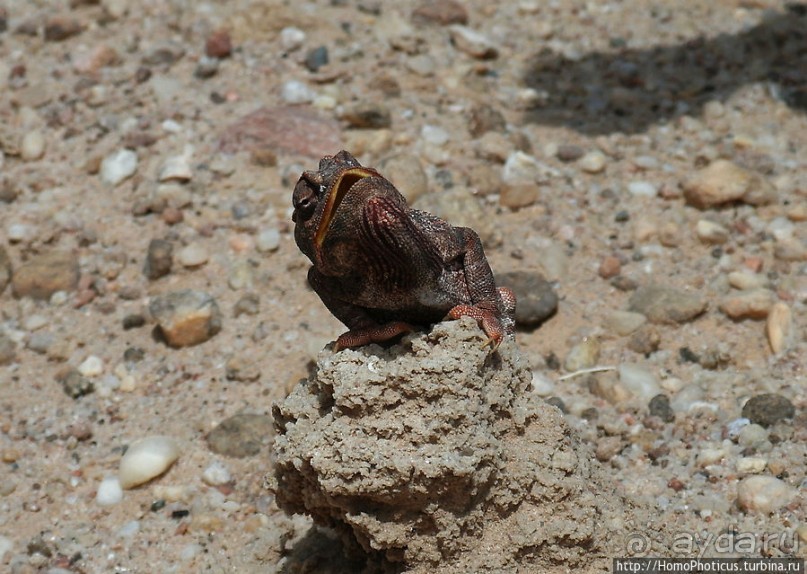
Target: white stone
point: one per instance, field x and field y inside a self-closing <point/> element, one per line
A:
<point x="524" y="168"/>
<point x="434" y="135"/>
<point x="638" y="381"/>
<point x="177" y="168"/>
<point x="642" y="189"/>
<point x="291" y="38"/>
<point x="33" y="146"/>
<point x="707" y="456"/>
<point x="268" y="240"/>
<point x="147" y="459"/>
<point x="764" y="494"/>
<point x="129" y="529"/>
<point x="192" y="255"/>
<point x="91" y="367"/>
<point x="19" y="232"/>
<point x="779" y="327"/>
<point x="118" y="166"/>
<point x="752" y="435"/>
<point x="472" y="42"/>
<point x="5" y="547"/>
<point x="592" y="162"/>
<point x="751" y="464"/>
<point x="109" y="491"/>
<point x="711" y="233"/>
<point x="296" y="92"/>
<point x="216" y="474"/>
<point x="35" y="322"/>
<point x="542" y="385"/>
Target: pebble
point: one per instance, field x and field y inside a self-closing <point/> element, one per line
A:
<point x="518" y="195"/>
<point x="485" y="118"/>
<point x="752" y="436"/>
<point x="524" y="168"/>
<point x="6" y="544"/>
<point x="74" y="384"/>
<point x="147" y="459"/>
<point x="46" y="274"/>
<point x="747" y="281"/>
<point x="406" y="173"/>
<point x="59" y="28"/>
<point x="216" y="474"/>
<point x="367" y="115"/>
<point x="297" y="92"/>
<point x="177" y="168"/>
<point x="593" y="162"/>
<point x="93" y="60"/>
<point x="118" y="166"/>
<point x="542" y="385"/>
<point x="754" y="304"/>
<point x="751" y="464"/>
<point x="193" y="255"/>
<point x="623" y="323"/>
<point x="764" y="494"/>
<point x="638" y="381"/>
<point x="610" y="266"/>
<point x="434" y="135"/>
<point x="768" y="409"/>
<point x="608" y="447"/>
<point x="109" y="492"/>
<point x="316" y="58"/>
<point x="569" y="152"/>
<point x="583" y="355"/>
<point x="292" y="38"/>
<point x="33" y="146"/>
<point x="537" y="300"/>
<point x="291" y="129"/>
<point x="92" y="366"/>
<point x="667" y="305"/>
<point x="249" y="304"/>
<point x="422" y="65"/>
<point x="645" y="340"/>
<point x="642" y="189"/>
<point x="268" y="240"/>
<point x="7" y="349"/>
<point x="219" y="44"/>
<point x="790" y="250"/>
<point x="473" y="43"/>
<point x="440" y="12"/>
<point x="779" y="327"/>
<point x="186" y="317"/>
<point x="20" y="232"/>
<point x="723" y="182"/>
<point x="659" y="406"/>
<point x="241" y="435"/>
<point x="242" y="367"/>
<point x="159" y="259"/>
<point x="711" y="233"/>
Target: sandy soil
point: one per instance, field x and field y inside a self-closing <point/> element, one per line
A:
<point x="573" y="134"/>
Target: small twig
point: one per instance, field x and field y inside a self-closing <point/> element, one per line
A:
<point x="586" y="372"/>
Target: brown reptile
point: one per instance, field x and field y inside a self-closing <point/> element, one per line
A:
<point x="383" y="268"/>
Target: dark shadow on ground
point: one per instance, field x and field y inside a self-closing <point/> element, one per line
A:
<point x="323" y="551"/>
<point x="631" y="89"/>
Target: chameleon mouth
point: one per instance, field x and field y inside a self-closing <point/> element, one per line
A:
<point x="337" y="193"/>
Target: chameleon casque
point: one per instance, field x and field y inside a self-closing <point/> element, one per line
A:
<point x="383" y="268"/>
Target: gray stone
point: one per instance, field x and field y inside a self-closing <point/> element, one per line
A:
<point x="241" y="435"/>
<point x="768" y="409"/>
<point x="536" y="300"/>
<point x="668" y="305"/>
<point x="159" y="259"/>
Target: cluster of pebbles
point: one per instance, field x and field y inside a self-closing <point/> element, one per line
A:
<point x="642" y="191"/>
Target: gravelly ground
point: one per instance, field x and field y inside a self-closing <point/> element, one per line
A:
<point x="572" y="135"/>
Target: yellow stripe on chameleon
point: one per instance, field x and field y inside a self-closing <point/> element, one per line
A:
<point x="337" y="192"/>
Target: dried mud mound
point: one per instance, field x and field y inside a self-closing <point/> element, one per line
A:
<point x="434" y="455"/>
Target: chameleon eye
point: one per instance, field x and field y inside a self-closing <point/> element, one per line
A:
<point x="304" y="200"/>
